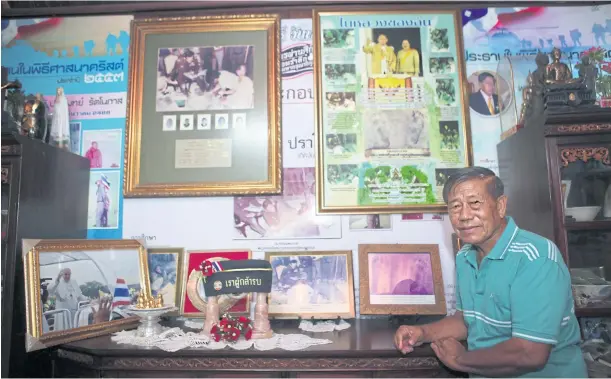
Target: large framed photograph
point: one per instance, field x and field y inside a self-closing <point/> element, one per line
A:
<point x="204" y="107"/>
<point x="311" y="284"/>
<point x="401" y="280"/>
<point x="77" y="289"/>
<point x="391" y="85"/>
<point x="193" y="298"/>
<point x="165" y="269"/>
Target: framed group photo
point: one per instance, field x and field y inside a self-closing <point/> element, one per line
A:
<point x="204" y="107"/>
<point x="77" y="289"/>
<point x="311" y="284"/>
<point x="401" y="280"/>
<point x="402" y="103"/>
<point x="193" y="298"/>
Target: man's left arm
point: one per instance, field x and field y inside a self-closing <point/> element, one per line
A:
<point x="538" y="300"/>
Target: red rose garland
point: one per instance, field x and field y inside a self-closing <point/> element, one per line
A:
<point x="230" y="329"/>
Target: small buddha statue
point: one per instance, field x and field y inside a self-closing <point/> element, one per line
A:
<point x="588" y="73"/>
<point x="558" y="72"/>
<point x="526" y="99"/>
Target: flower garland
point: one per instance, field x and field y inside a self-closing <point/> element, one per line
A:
<point x="230" y="329"/>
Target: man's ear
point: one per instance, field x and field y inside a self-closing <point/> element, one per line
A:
<point x="501" y="206"/>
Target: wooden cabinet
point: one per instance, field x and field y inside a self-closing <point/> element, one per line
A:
<point x="44" y="195"/>
<point x="365" y="350"/>
<point x="558" y="180"/>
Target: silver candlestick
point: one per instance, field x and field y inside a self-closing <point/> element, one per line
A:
<point x="149" y="320"/>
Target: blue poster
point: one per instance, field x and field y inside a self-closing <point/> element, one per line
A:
<point x="79" y="66"/>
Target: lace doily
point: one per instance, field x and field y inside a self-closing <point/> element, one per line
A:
<point x="322" y="326"/>
<point x="175" y="339"/>
<point x="192" y="324"/>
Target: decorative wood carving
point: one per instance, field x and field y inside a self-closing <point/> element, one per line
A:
<point x="11" y="149"/>
<point x="571" y="155"/>
<point x="578" y="128"/>
<point x="5" y="174"/>
<point x="269" y="364"/>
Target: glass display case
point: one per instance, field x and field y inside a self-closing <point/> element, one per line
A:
<point x="512" y="79"/>
<point x="585" y="182"/>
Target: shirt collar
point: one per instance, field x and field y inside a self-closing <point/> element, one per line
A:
<point x="501" y="246"/>
<point x="485" y="95"/>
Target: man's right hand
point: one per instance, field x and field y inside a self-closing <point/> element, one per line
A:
<point x="407" y="337"/>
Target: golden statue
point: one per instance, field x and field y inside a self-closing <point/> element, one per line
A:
<point x="159" y="301"/>
<point x="526" y="98"/>
<point x="148" y="302"/>
<point x="558" y="72"/>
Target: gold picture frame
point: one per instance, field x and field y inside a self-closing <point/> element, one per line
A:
<point x="167" y="275"/>
<point x="281" y="262"/>
<point x="64" y="254"/>
<point x="371" y="175"/>
<point x="422" y="293"/>
<point x="227" y="145"/>
<point x="191" y="302"/>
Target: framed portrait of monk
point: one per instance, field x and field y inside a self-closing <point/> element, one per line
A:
<point x="401" y="280"/>
<point x="204" y="107"/>
<point x="394" y="81"/>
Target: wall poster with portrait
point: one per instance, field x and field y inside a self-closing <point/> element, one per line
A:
<point x="391" y="84"/>
<point x="311" y="284"/>
<point x="401" y="280"/>
<point x="77" y="289"/>
<point x="193" y="298"/>
<point x="204" y="107"/>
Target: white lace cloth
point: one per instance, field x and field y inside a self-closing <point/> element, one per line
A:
<point x="175" y="339"/>
<point x="305" y="325"/>
<point x="323" y="326"/>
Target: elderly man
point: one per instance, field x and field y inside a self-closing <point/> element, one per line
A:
<point x="513" y="293"/>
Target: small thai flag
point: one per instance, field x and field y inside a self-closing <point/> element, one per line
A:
<point x="216" y="266"/>
<point x="121" y="296"/>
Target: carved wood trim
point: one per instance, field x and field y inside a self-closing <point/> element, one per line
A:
<point x="11" y="149"/>
<point x="268" y="364"/>
<point x="578" y="128"/>
<point x="574" y="154"/>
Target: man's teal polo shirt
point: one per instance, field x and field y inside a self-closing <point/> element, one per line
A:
<point x="521" y="289"/>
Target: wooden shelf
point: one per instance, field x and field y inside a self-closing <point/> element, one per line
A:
<point x="592" y="312"/>
<point x="588" y="225"/>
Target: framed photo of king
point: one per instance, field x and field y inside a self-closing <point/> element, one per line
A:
<point x="395" y="106"/>
<point x="226" y="67"/>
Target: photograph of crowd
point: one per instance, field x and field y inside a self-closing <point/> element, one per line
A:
<point x="442" y="66"/>
<point x="341" y="101"/>
<point x="342" y="174"/>
<point x="445" y="91"/>
<point x="396" y="129"/>
<point x="341" y="73"/>
<point x="205" y="78"/>
<point x="310" y="284"/>
<point x="338" y="38"/>
<point x="341" y="143"/>
<point x="85" y="288"/>
<point x="450" y="137"/>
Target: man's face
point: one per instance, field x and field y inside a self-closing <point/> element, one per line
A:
<point x="382" y="40"/>
<point x="67" y="275"/>
<point x="474" y="213"/>
<point x="488" y="86"/>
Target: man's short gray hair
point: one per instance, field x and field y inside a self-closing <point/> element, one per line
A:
<point x="495" y="187"/>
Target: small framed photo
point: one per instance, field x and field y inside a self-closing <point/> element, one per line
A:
<point x="204" y="122"/>
<point x="317" y="284"/>
<point x="221" y="121"/>
<point x="239" y="120"/>
<point x="193" y="296"/>
<point x="186" y="122"/>
<point x="165" y="266"/>
<point x="169" y="123"/>
<point x="401" y="280"/>
<point x="77" y="289"/>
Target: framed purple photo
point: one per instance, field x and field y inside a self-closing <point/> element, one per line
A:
<point x="401" y="280"/>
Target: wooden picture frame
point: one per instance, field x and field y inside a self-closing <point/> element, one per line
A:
<point x="90" y="264"/>
<point x="422" y="291"/>
<point x="340" y="262"/>
<point x="380" y="170"/>
<point x="165" y="266"/>
<point x="203" y="114"/>
<point x="192" y="302"/>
